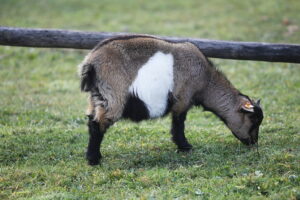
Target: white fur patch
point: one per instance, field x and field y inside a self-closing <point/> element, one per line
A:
<point x="153" y="83"/>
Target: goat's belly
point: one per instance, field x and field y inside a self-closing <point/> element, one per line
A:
<point x="137" y="110"/>
<point x="154" y="82"/>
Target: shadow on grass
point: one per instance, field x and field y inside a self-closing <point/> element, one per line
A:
<point x="63" y="147"/>
<point x="210" y="155"/>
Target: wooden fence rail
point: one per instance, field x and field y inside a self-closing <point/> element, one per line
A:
<point x="53" y="38"/>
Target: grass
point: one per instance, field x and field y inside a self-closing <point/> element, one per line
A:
<point x="42" y="125"/>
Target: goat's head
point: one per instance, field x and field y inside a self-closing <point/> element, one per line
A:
<point x="245" y="119"/>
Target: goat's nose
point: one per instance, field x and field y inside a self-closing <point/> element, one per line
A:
<point x="245" y="141"/>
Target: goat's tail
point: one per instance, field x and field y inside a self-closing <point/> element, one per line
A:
<point x="90" y="83"/>
<point x="87" y="76"/>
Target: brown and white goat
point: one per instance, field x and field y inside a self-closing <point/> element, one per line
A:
<point x="141" y="77"/>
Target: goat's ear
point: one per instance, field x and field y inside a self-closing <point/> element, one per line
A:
<point x="247" y="106"/>
<point x="258" y="102"/>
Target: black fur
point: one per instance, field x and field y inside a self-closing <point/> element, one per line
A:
<point x="135" y="109"/>
<point x="93" y="154"/>
<point x="258" y="115"/>
<point x="177" y="132"/>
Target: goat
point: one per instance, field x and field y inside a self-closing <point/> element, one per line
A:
<point x="141" y="77"/>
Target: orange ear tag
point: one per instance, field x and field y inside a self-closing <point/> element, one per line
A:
<point x="248" y="105"/>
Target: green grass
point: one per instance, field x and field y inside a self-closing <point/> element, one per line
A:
<point x="42" y="125"/>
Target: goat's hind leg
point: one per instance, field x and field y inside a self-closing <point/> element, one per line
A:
<point x="101" y="117"/>
<point x="96" y="131"/>
<point x="93" y="154"/>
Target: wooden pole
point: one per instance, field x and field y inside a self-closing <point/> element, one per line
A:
<point x="53" y="38"/>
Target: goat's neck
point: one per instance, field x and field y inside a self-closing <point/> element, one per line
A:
<point x="219" y="96"/>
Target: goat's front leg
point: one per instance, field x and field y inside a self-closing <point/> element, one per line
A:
<point x="177" y="132"/>
<point x="93" y="154"/>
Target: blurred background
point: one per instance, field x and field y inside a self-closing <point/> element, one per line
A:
<point x="269" y="21"/>
<point x="42" y="124"/>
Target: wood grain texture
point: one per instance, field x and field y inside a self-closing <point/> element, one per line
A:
<point x="53" y="38"/>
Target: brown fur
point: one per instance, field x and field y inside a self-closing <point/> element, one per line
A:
<point x="118" y="60"/>
<point x="111" y="67"/>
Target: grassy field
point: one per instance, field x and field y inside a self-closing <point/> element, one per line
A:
<point x="43" y="135"/>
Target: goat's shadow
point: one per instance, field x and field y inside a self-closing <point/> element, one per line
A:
<point x="168" y="157"/>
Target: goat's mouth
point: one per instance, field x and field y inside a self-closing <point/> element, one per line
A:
<point x="246" y="141"/>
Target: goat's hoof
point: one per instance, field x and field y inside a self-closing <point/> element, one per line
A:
<point x="93" y="159"/>
<point x="94" y="162"/>
<point x="186" y="148"/>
